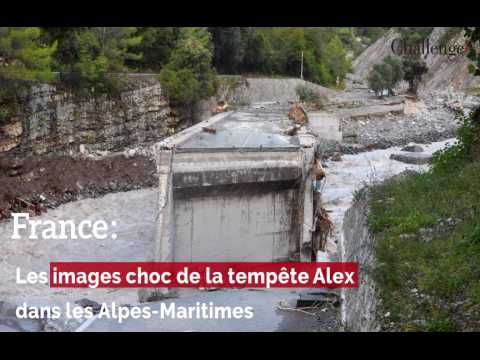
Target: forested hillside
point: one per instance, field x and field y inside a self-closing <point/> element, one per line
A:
<point x="89" y="59"/>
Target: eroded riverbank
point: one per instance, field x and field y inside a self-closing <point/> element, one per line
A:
<point x="344" y="179"/>
<point x="135" y="211"/>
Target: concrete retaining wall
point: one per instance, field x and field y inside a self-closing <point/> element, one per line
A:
<point x="51" y="119"/>
<point x="359" y="305"/>
<point x="241" y="90"/>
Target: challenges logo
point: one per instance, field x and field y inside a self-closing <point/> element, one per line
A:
<point x="424" y="48"/>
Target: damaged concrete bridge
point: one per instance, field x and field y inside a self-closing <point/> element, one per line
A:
<point x="236" y="187"/>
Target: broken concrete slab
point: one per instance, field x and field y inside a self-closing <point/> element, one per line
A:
<point x="317" y="297"/>
<point x="325" y="125"/>
<point x="412" y="158"/>
<point x="248" y="128"/>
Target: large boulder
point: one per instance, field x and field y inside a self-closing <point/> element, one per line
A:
<point x="413" y="148"/>
<point x="412" y="158"/>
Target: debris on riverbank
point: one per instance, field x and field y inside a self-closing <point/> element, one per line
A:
<point x="38" y="183"/>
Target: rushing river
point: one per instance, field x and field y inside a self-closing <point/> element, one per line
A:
<point x="343" y="178"/>
<point x="354" y="172"/>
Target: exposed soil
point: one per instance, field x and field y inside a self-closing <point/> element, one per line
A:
<point x="38" y="183"/>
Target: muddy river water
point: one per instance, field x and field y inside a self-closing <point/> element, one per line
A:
<point x="134" y="211"/>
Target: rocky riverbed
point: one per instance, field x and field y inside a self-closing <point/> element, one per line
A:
<point x="346" y="177"/>
<point x="368" y="122"/>
<point x="394" y="130"/>
<point x="354" y="172"/>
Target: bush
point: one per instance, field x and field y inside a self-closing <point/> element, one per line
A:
<point x="310" y="96"/>
<point x="467" y="147"/>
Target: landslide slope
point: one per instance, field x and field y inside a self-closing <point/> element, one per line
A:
<point x="444" y="71"/>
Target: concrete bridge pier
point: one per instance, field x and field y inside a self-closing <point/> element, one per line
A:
<point x="236" y="187"/>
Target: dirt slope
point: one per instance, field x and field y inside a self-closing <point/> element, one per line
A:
<point x="38" y="183"/>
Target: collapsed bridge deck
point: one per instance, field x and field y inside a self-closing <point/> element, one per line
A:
<point x="235" y="187"/>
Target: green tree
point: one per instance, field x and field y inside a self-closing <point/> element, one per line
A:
<point x="258" y="52"/>
<point x="67" y="48"/>
<point x="328" y="53"/>
<point x="278" y="51"/>
<point x="188" y="76"/>
<point x="371" y="34"/>
<point x="386" y="75"/>
<point x="292" y="43"/>
<point x="414" y="68"/>
<point x="396" y="70"/>
<point x="335" y="59"/>
<point x="376" y="81"/>
<point x="228" y="49"/>
<point x="88" y="55"/>
<point x="287" y="44"/>
<point x="346" y="35"/>
<point x="315" y="70"/>
<point x="156" y="47"/>
<point x="413" y="35"/>
<point x="23" y="60"/>
<point x="22" y="57"/>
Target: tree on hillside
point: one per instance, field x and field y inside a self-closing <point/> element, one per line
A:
<point x="278" y="51"/>
<point x="346" y="35"/>
<point x="24" y="59"/>
<point x="288" y="44"/>
<point x="228" y="49"/>
<point x="87" y="55"/>
<point x="335" y="59"/>
<point x="326" y="53"/>
<point x="414" y="66"/>
<point x="315" y="70"/>
<point x="386" y="75"/>
<point x="156" y="47"/>
<point x="414" y="35"/>
<point x="188" y="76"/>
<point x="66" y="45"/>
<point x="371" y="34"/>
<point x="257" y="53"/>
